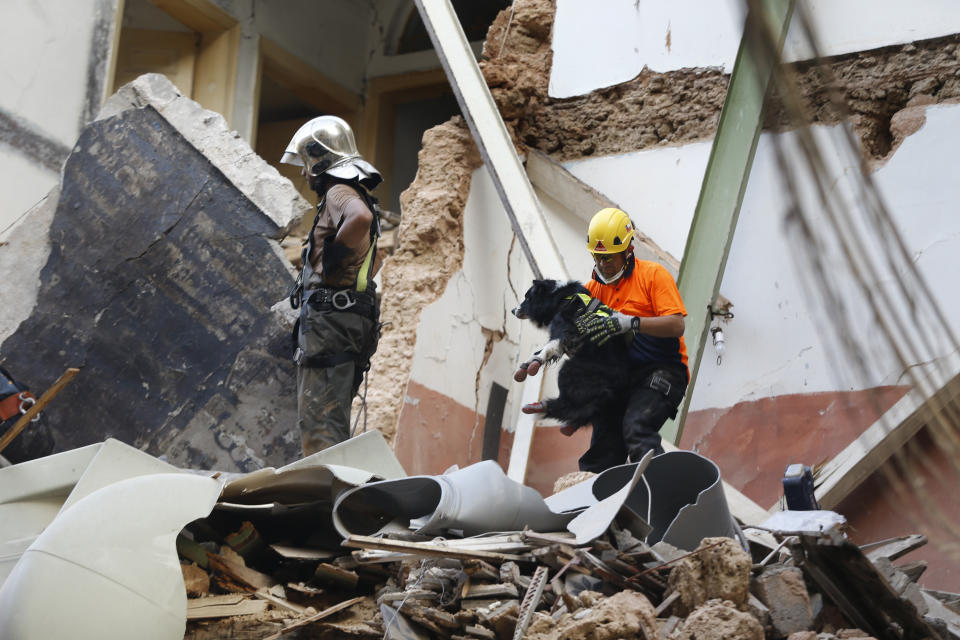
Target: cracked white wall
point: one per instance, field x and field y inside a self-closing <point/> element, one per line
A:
<point x="775" y="345"/>
<point x="44" y="47"/>
<point x="453" y="332"/>
<point x="666" y="36"/>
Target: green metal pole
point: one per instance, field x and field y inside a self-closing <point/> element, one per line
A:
<point x="725" y="181"/>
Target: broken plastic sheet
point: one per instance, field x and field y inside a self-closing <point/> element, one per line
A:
<point x="34" y="493"/>
<point x="296" y="500"/>
<point x="683" y="504"/>
<point x="477" y="499"/>
<point x="108" y="564"/>
<point x="596" y="519"/>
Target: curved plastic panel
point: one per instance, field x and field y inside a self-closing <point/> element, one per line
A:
<point x="477" y="499"/>
<point x="107" y="568"/>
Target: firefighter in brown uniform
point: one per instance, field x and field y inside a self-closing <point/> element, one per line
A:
<point x="339" y="324"/>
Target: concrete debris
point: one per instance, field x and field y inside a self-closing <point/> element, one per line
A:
<point x="719" y="569"/>
<point x="157" y="278"/>
<point x="246" y="571"/>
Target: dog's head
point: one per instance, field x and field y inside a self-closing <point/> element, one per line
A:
<point x="544" y="299"/>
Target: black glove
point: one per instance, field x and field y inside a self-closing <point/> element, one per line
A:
<point x="602" y="324"/>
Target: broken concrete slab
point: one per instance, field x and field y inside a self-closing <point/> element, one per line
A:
<point x="784" y="593"/>
<point x="159" y="283"/>
<point x="207" y="131"/>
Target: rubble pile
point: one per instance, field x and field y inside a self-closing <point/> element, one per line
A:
<point x="542" y="586"/>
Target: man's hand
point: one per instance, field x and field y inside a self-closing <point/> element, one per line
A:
<point x="601" y="325"/>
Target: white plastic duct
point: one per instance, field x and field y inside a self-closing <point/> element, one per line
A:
<point x="107" y="567"/>
<point x="477" y="499"/>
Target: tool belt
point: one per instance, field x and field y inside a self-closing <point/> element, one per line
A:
<point x="324" y="299"/>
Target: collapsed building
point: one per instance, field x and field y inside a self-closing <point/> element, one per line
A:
<point x="206" y="383"/>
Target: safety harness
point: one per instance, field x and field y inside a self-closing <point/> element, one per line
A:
<point x="354" y="299"/>
<point x="590" y="305"/>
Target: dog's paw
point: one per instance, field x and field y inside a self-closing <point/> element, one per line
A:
<point x="533" y="367"/>
<point x="533" y="407"/>
<point x="520" y="374"/>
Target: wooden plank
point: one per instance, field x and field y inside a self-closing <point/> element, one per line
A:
<point x="861" y="592"/>
<point x="320" y="616"/>
<point x="223" y="607"/>
<point x="491" y="591"/>
<point x="849" y="468"/>
<point x="895" y="548"/>
<point x="37" y="407"/>
<point x="215" y="73"/>
<point x="283" y="603"/>
<point x="493" y="140"/>
<point x="199" y="15"/>
<point x="429" y="549"/>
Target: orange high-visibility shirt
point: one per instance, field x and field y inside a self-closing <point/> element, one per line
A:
<point x="646" y="289"/>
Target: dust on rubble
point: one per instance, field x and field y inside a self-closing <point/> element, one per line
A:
<point x="719" y="620"/>
<point x="721" y="570"/>
<point x="626" y="614"/>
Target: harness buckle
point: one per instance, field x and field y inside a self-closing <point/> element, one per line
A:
<point x="298" y="356"/>
<point x="659" y="384"/>
<point x="341" y="306"/>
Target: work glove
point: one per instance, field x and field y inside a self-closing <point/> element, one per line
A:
<point x="604" y="323"/>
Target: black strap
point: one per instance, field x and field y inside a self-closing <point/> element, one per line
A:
<point x="319" y="362"/>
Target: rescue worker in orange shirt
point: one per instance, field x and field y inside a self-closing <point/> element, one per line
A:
<point x="647" y="303"/>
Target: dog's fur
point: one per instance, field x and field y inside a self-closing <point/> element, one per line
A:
<point x="594" y="380"/>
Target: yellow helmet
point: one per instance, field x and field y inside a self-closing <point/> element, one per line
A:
<point x="610" y="231"/>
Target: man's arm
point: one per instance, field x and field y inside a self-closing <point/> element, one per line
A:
<point x="355" y="228"/>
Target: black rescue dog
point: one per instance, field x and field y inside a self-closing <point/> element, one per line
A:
<point x="593" y="381"/>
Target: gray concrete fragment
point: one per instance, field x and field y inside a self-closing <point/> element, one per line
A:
<point x="207" y="131"/>
<point x="156" y="278"/>
<point x="783" y="590"/>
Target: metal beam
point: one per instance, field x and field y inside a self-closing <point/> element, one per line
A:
<point x="724" y="183"/>
<point x="489" y="132"/>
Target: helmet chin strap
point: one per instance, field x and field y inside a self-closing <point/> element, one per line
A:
<point x="613" y="278"/>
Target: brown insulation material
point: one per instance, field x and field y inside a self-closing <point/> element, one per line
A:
<point x="428" y="253"/>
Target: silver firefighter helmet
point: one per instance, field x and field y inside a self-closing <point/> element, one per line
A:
<point x="326" y="145"/>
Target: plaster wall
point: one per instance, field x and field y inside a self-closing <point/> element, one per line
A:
<point x="45" y="48"/>
<point x="666" y="36"/>
<point x="776" y="345"/>
<point x="331" y="36"/>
